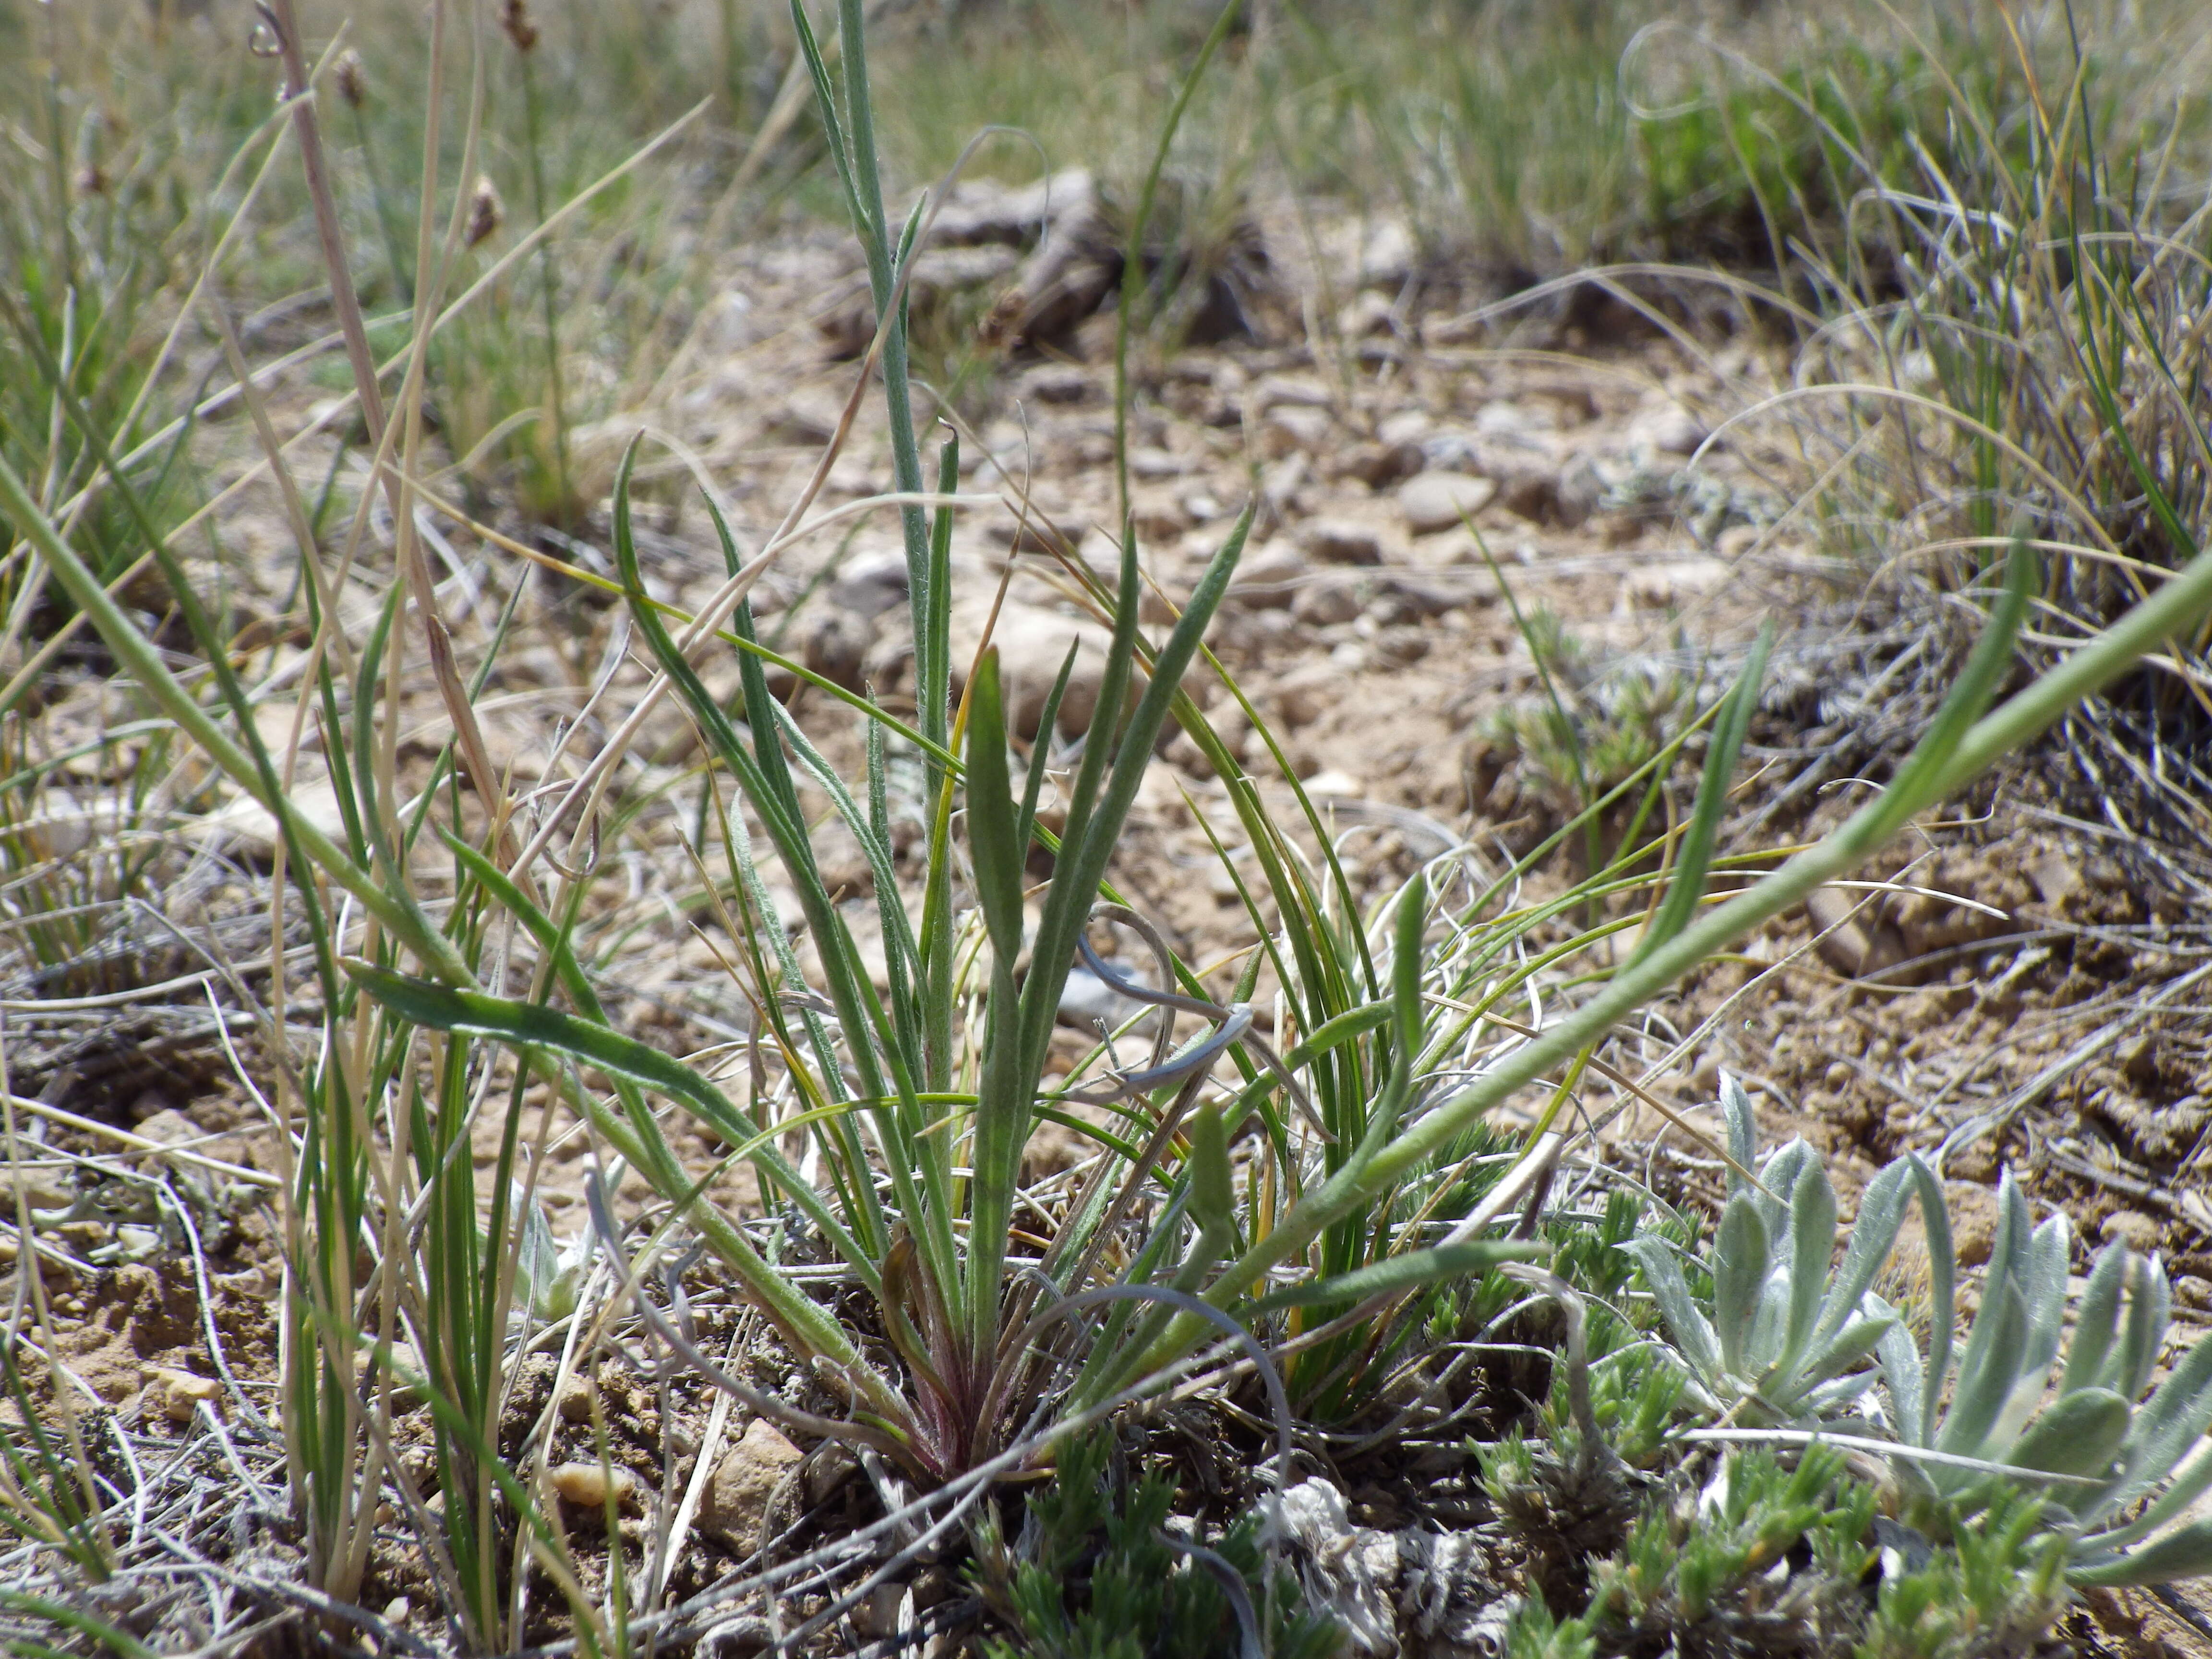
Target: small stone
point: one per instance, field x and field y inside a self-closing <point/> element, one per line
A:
<point x="1365" y="315"/>
<point x="1404" y="426"/>
<point x="1379" y="465"/>
<point x="2056" y="877"/>
<point x="1305" y="694"/>
<point x="183" y="1393"/>
<point x="876" y="1618"/>
<point x="835" y="645"/>
<point x="1057" y="383"/>
<point x="873" y="582"/>
<point x="1388" y="257"/>
<point x="1032" y="643"/>
<point x="1534" y="496"/>
<point x="744" y="1482"/>
<point x="1293" y="428"/>
<point x="1669" y="429"/>
<point x="1339" y="541"/>
<point x="2132" y="1228"/>
<point x="1278" y="391"/>
<point x="245" y="828"/>
<point x="590" y="1486"/>
<point x="576" y="1402"/>
<point x="1327" y="602"/>
<point x="1578" y="492"/>
<point x="1402" y="645"/>
<point x="1850" y="935"/>
<point x="1440" y="501"/>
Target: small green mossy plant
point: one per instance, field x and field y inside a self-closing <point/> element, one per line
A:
<point x="1101" y="1571"/>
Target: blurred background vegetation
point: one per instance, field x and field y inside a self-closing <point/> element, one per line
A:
<point x="1514" y="140"/>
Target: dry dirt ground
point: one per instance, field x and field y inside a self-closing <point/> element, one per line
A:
<point x="2026" y="990"/>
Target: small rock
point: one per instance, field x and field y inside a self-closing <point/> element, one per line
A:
<point x="1032" y="643"/>
<point x="1269" y="579"/>
<point x="1440" y="501"/>
<point x="1516" y="422"/>
<point x="1379" y="465"/>
<point x="1294" y="428"/>
<point x="876" y="1618"/>
<point x="2054" y="876"/>
<point x="1038" y="529"/>
<point x="744" y="1481"/>
<point x="1327" y="602"/>
<point x="1403" y="644"/>
<point x="1386" y="258"/>
<point x="1974" y="1209"/>
<point x="736" y="1638"/>
<point x="1578" y="492"/>
<point x="1367" y="314"/>
<point x="1669" y="429"/>
<point x="575" y="1401"/>
<point x="1086" y="1000"/>
<point x="1278" y="391"/>
<point x="1057" y="383"/>
<point x="1534" y="496"/>
<point x="183" y="1393"/>
<point x="1659" y="585"/>
<point x="1339" y="541"/>
<point x="245" y="828"/>
<point x="834" y="645"/>
<point x="2132" y="1228"/>
<point x="873" y="582"/>
<point x="1404" y="426"/>
<point x="590" y="1486"/>
<point x="1303" y="696"/>
<point x="1851" y="936"/>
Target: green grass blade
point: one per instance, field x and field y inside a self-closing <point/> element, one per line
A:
<point x="1694" y="862"/>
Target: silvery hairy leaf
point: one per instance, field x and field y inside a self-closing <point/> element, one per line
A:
<point x="1692" y="1331"/>
<point x="1742" y="1257"/>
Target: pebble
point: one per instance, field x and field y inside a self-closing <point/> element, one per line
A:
<point x="1032" y="643"/>
<point x="1853" y="938"/>
<point x="1668" y="428"/>
<point x="1339" y="541"/>
<point x="744" y="1480"/>
<point x="1439" y="501"/>
<point x="1326" y="603"/>
<point x="589" y="1486"/>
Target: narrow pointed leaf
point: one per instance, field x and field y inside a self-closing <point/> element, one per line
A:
<point x="2081" y="1434"/>
<point x="1741" y="1260"/>
<point x="1813" y="1242"/>
<point x="2097" y="1322"/>
<point x="1692" y="1331"/>
<point x="1881" y="1212"/>
<point x="1410" y="1272"/>
<point x="1723" y="747"/>
<point x="2149" y="1304"/>
<point x="992" y="813"/>
<point x="2185" y="1553"/>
